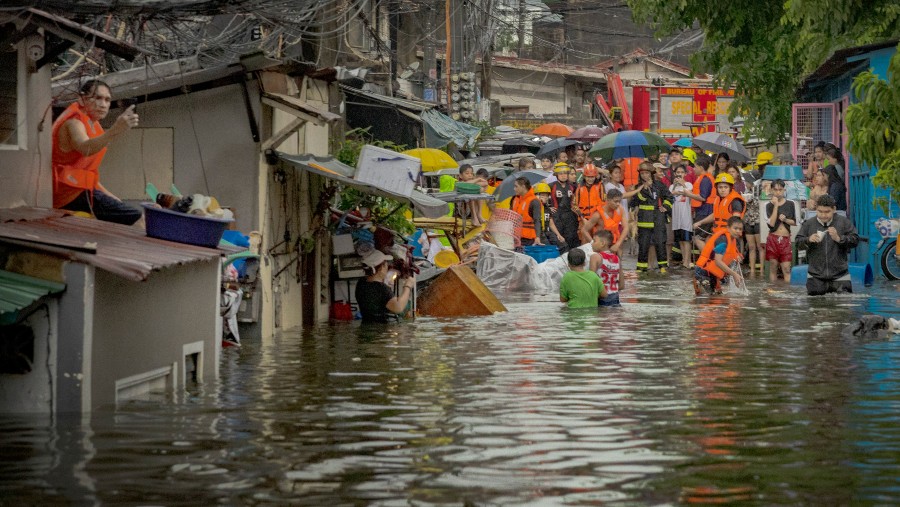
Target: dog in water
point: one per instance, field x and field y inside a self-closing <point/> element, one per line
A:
<point x="872" y="327"/>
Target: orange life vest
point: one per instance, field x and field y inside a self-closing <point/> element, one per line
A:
<point x="712" y="194"/>
<point x="73" y="173"/>
<point x="722" y="209"/>
<point x="706" y="261"/>
<point x="612" y="223"/>
<point x="590" y="199"/>
<point x="522" y="205"/>
<point x="630" y="171"/>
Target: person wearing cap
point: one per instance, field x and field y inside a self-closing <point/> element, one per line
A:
<point x="551" y="234"/>
<point x="654" y="203"/>
<point x="377" y="303"/>
<point x="728" y="203"/>
<point x="562" y="203"/>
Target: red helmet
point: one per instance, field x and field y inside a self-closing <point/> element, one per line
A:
<point x="591" y="171"/>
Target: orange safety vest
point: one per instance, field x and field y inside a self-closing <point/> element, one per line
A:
<point x="630" y="171"/>
<point x="612" y="224"/>
<point x="722" y="209"/>
<point x="706" y="261"/>
<point x="590" y="199"/>
<point x="73" y="173"/>
<point x="712" y="194"/>
<point x="521" y="205"/>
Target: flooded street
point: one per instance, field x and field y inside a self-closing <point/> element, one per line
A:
<point x="669" y="399"/>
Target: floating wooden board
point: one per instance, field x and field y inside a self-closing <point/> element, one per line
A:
<point x="458" y="292"/>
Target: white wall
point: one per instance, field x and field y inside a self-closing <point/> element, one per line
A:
<point x="31" y="392"/>
<point x="25" y="170"/>
<point x="632" y="71"/>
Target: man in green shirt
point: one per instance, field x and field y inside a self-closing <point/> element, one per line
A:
<point x="580" y="288"/>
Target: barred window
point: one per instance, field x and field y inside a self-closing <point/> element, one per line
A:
<point x="9" y="103"/>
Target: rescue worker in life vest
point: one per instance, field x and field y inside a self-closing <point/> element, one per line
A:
<point x="590" y="200"/>
<point x="654" y="204"/>
<point x="529" y="207"/>
<point x="728" y="203"/>
<point x="720" y="252"/>
<point x="79" y="144"/>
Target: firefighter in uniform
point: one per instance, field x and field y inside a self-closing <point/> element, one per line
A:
<point x="654" y="203"/>
<point x="562" y="201"/>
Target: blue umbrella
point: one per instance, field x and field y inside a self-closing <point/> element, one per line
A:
<point x="684" y="142"/>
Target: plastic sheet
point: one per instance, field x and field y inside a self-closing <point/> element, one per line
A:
<point x="504" y="270"/>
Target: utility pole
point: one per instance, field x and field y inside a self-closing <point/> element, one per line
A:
<point x="521" y="29"/>
<point x="487" y="54"/>
<point x="393" y="29"/>
<point x="428" y="60"/>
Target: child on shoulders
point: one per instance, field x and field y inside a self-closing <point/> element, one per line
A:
<point x="605" y="263"/>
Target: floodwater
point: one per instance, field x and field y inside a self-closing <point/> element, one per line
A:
<point x="669" y="399"/>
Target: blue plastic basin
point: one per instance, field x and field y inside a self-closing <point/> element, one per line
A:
<point x="182" y="227"/>
<point x="861" y="274"/>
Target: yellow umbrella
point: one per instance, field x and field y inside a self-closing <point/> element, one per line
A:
<point x="432" y="159"/>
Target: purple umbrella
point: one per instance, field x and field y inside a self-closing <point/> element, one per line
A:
<point x="589" y="134"/>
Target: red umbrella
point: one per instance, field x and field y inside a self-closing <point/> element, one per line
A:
<point x="589" y="134"/>
<point x="553" y="129"/>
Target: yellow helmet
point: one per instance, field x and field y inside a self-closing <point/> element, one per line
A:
<point x="690" y="154"/>
<point x="725" y="178"/>
<point x="764" y="158"/>
<point x="561" y="167"/>
<point x="542" y="188"/>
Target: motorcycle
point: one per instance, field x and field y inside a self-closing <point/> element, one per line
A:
<point x="890" y="257"/>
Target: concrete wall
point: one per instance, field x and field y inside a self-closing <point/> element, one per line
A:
<point x="25" y="170"/>
<point x="640" y="71"/>
<point x="31" y="392"/>
<point x="142" y="326"/>
<point x="213" y="150"/>
<point x="542" y="93"/>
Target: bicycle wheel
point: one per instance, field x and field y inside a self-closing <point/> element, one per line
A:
<point x="890" y="266"/>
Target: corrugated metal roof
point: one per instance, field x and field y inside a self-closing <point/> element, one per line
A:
<point x="18" y="292"/>
<point x="410" y="105"/>
<point x="119" y="249"/>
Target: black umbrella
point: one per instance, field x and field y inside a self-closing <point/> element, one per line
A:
<point x="506" y="190"/>
<point x="516" y="146"/>
<point x="718" y="142"/>
<point x="555" y="146"/>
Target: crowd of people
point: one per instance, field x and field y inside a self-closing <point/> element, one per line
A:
<point x="687" y="209"/>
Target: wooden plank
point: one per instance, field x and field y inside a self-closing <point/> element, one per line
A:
<point x="458" y="292"/>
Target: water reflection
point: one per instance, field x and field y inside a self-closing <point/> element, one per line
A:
<point x="667" y="399"/>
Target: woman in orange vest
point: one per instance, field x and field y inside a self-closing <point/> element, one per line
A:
<point x="79" y="144"/>
<point x="723" y="248"/>
<point x="728" y="204"/>
<point x="529" y="207"/>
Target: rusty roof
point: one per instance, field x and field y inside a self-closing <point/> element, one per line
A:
<point x="119" y="249"/>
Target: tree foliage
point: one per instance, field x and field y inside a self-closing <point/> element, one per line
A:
<point x="763" y="49"/>
<point x="874" y="125"/>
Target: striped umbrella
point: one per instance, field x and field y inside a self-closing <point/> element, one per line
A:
<point x="629" y="144"/>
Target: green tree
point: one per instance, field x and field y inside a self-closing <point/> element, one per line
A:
<point x="763" y="49"/>
<point x="873" y="123"/>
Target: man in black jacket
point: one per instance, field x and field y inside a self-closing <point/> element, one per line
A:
<point x="828" y="238"/>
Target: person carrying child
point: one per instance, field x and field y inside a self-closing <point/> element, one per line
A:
<point x="780" y="214"/>
<point x="579" y="288"/>
<point x="721" y="251"/>
<point x="605" y="263"/>
<point x="682" y="229"/>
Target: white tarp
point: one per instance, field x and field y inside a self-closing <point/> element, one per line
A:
<point x="503" y="270"/>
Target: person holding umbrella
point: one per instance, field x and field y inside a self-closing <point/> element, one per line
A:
<point x="653" y="202"/>
<point x="529" y="207"/>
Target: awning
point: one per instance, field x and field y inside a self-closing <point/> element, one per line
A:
<point x="335" y="170"/>
<point x="20" y="292"/>
<point x="439" y="129"/>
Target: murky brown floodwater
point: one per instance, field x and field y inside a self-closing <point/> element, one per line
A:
<point x="665" y="400"/>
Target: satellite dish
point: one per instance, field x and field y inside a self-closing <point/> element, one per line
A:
<point x="414" y="66"/>
<point x="406" y="74"/>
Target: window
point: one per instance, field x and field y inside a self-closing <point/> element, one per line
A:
<point x="9" y="99"/>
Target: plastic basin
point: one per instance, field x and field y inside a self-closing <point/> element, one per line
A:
<point x="541" y="253"/>
<point x="861" y="274"/>
<point x="183" y="228"/>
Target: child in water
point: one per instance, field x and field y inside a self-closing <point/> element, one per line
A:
<point x="605" y="263"/>
<point x="580" y="288"/>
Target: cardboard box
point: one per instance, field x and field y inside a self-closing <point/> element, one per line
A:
<point x="388" y="170"/>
